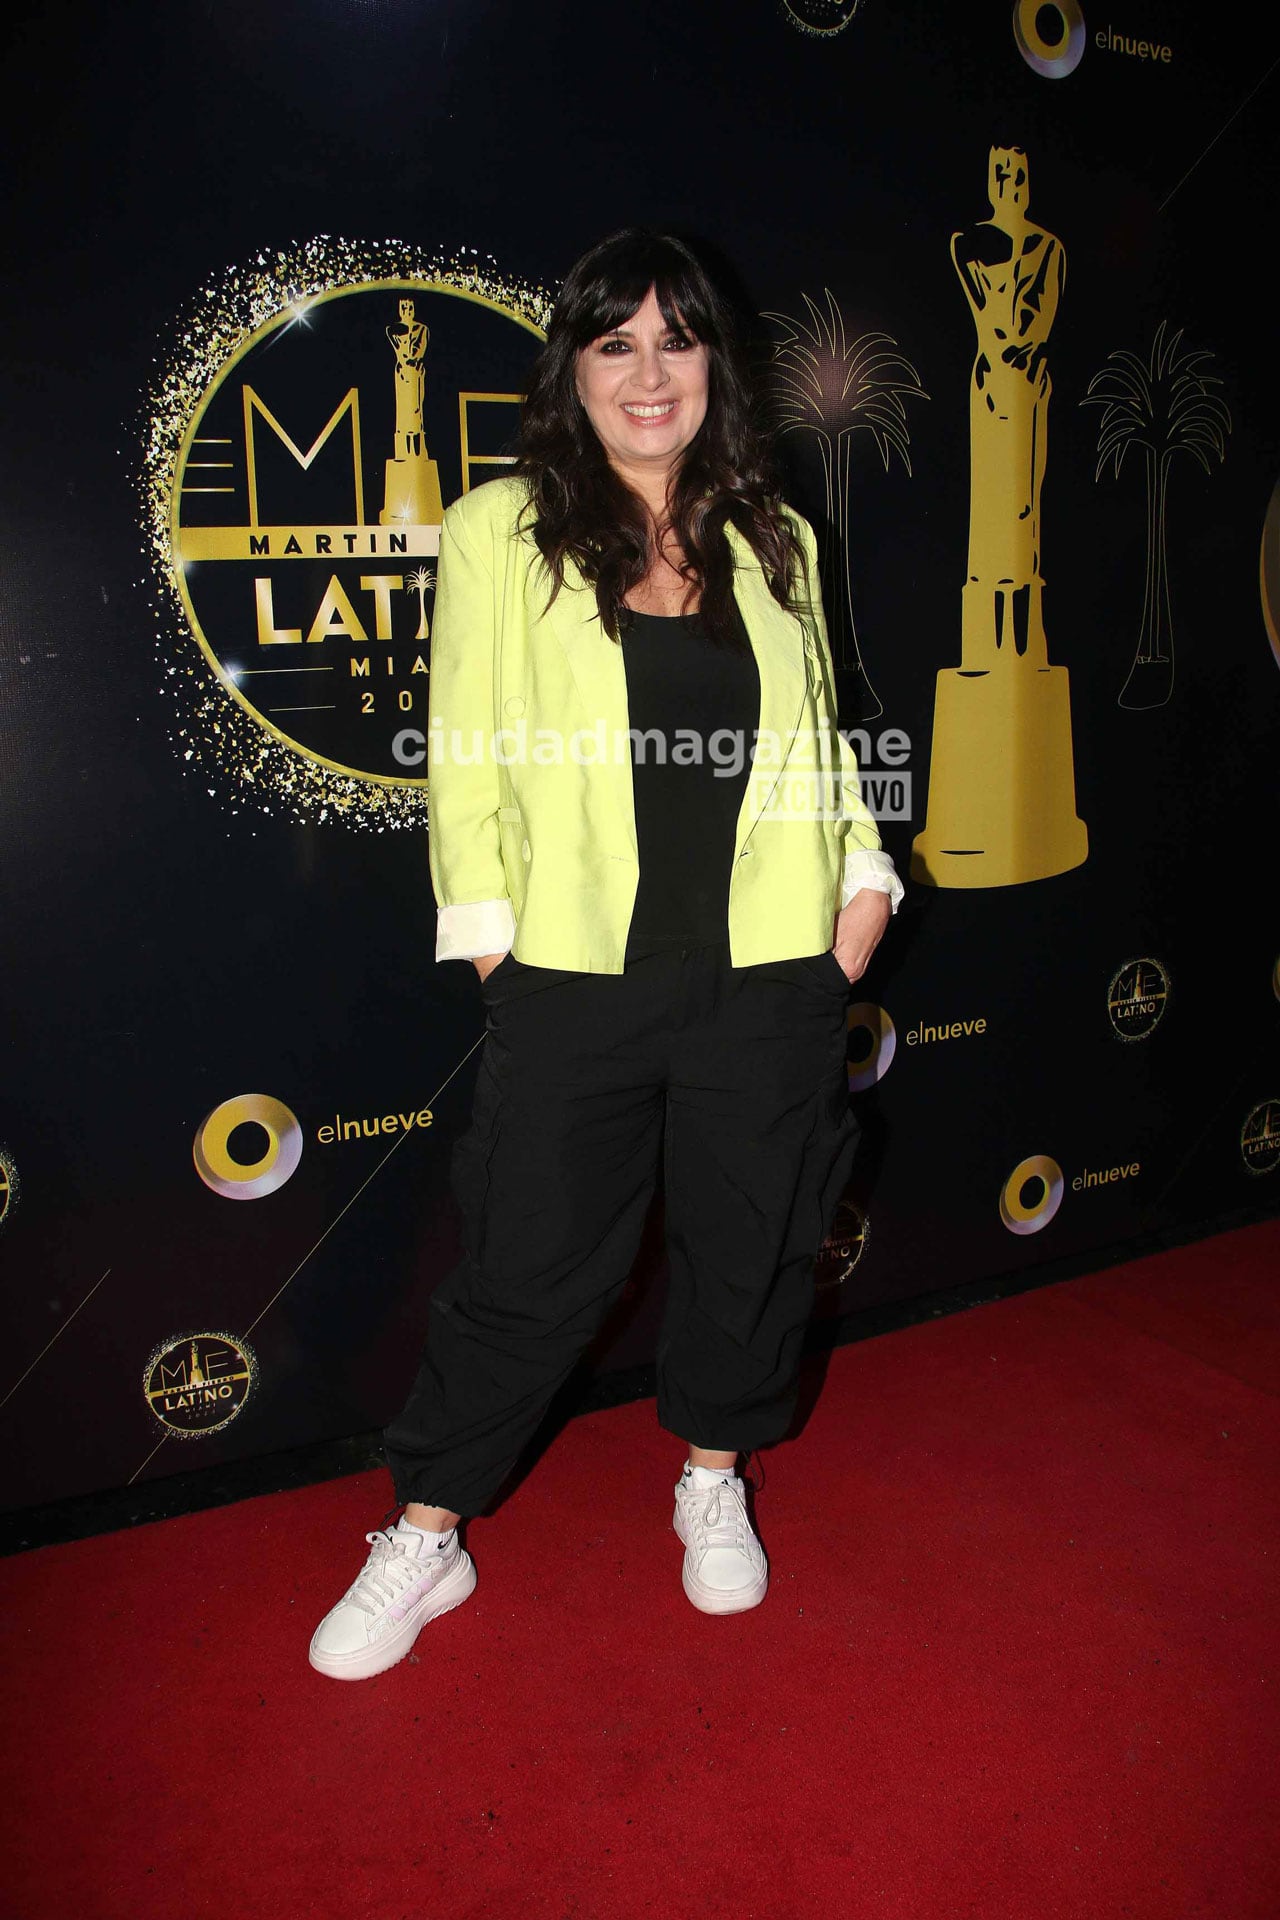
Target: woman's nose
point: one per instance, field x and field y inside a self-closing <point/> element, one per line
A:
<point x="650" y="371"/>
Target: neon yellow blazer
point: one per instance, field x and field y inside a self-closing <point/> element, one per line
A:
<point x="532" y="822"/>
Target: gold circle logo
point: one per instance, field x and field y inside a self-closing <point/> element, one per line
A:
<point x="876" y="1042"/>
<point x="8" y="1186"/>
<point x="196" y="1383"/>
<point x="317" y="410"/>
<point x="1260" y="1138"/>
<point x="843" y="1247"/>
<point x="820" y="17"/>
<point x="1137" y="997"/>
<point x="1032" y="1194"/>
<point x="274" y="1134"/>
<point x="1050" y="36"/>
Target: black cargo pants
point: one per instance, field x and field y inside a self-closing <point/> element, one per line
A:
<point x="738" y="1076"/>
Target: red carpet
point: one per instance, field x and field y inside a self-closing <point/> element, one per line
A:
<point x="1017" y="1661"/>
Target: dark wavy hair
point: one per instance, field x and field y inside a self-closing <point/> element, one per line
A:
<point x="580" y="509"/>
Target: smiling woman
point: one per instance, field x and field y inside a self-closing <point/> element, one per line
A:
<point x="644" y="386"/>
<point x="664" y="951"/>
<point x="639" y="444"/>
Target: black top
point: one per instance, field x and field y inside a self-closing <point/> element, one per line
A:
<point x="689" y="776"/>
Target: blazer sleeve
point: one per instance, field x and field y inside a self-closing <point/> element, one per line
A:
<point x="866" y="864"/>
<point x="475" y="913"/>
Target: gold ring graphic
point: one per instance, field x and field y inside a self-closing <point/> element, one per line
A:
<point x="884" y="1044"/>
<point x="1015" y="1213"/>
<point x="1269" y="571"/>
<point x="1051" y="59"/>
<point x="821" y="18"/>
<point x="232" y="1178"/>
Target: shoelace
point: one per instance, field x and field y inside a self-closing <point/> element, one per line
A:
<point x="386" y="1573"/>
<point x="721" y="1522"/>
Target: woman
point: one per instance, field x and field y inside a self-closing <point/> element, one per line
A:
<point x="648" y="837"/>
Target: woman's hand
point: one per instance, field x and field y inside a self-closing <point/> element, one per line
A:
<point x="484" y="963"/>
<point x="859" y="927"/>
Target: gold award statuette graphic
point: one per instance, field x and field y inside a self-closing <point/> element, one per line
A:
<point x="328" y="413"/>
<point x="196" y="1383"/>
<point x="1002" y="807"/>
<point x="412" y="489"/>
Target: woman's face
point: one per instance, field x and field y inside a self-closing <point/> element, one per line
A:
<point x="645" y="389"/>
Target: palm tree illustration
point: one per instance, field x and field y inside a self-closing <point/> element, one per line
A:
<point x="833" y="387"/>
<point x="1166" y="406"/>
<point x="422" y="582"/>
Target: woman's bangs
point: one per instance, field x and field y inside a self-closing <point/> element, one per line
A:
<point x="683" y="307"/>
<point x="609" y="305"/>
<point x="618" y="287"/>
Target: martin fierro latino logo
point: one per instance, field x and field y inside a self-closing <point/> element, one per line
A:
<point x="1136" y="998"/>
<point x="843" y="1247"/>
<point x="1260" y="1137"/>
<point x="196" y="1383"/>
<point x="318" y="444"/>
<point x="308" y="503"/>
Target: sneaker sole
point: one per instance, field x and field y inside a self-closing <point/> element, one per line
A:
<point x="711" y="1599"/>
<point x="393" y="1647"/>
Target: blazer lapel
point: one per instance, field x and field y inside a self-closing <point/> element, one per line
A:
<point x="777" y="640"/>
<point x="599" y="674"/>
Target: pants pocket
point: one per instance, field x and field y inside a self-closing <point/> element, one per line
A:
<point x="826" y="968"/>
<point x="472" y="1157"/>
<point x="513" y="979"/>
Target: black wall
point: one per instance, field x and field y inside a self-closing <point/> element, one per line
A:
<point x="178" y="934"/>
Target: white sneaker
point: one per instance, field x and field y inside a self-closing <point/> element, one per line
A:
<point x="725" y="1570"/>
<point x="404" y="1583"/>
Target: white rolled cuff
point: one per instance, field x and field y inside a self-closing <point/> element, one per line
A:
<point x="479" y="926"/>
<point x="870" y="868"/>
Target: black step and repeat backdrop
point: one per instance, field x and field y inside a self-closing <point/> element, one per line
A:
<point x="273" y="279"/>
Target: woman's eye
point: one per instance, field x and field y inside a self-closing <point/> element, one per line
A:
<point x="614" y="346"/>
<point x="679" y="343"/>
